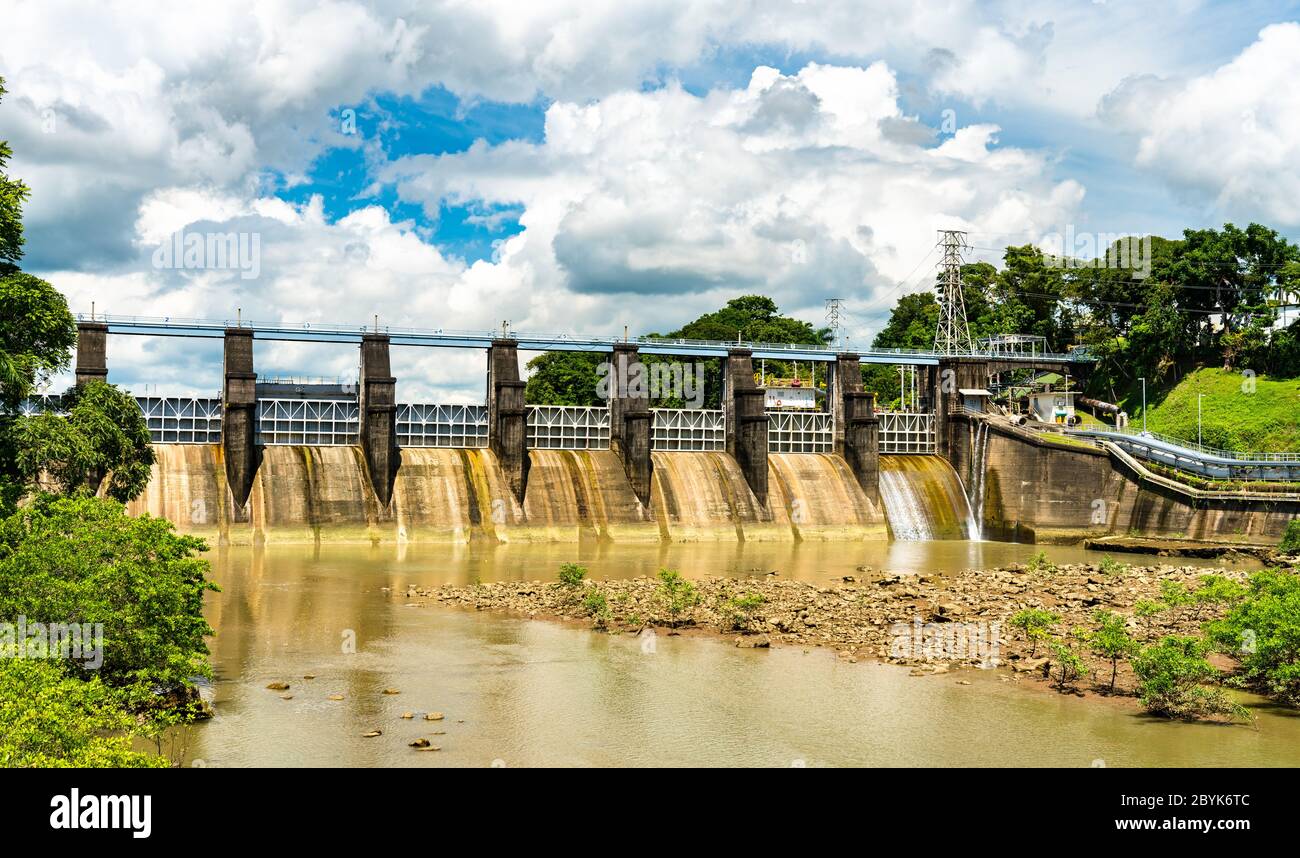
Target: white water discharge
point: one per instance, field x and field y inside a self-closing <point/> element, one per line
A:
<point x="979" y="448"/>
<point x="924" y="499"/>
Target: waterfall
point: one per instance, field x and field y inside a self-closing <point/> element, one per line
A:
<point x="979" y="446"/>
<point x="924" y="499"/>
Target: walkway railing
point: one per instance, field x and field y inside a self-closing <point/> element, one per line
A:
<point x="454" y="338"/>
<point x="1197" y="458"/>
<point x="906" y="433"/>
<point x="800" y="432"/>
<point x="688" y="429"/>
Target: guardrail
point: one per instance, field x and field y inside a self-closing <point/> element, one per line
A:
<point x="457" y="338"/>
<point x="1197" y="458"/>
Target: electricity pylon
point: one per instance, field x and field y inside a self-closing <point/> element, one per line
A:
<point x="952" y="336"/>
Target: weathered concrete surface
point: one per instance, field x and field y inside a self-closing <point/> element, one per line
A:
<point x="746" y="416"/>
<point x="1037" y="490"/>
<point x="630" y="420"/>
<point x="862" y="441"/>
<point x="377" y="408"/>
<point x="239" y="417"/>
<point x="323" y="494"/>
<point x="92" y="352"/>
<point x="507" y="418"/>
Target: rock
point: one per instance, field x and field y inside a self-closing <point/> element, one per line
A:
<point x="1029" y="665"/>
<point x="336" y="697"/>
<point x="430" y="748"/>
<point x="963" y="682"/>
<point x="278" y="686"/>
<point x="420" y="743"/>
<point x="753" y="642"/>
<point x="372" y="734"/>
<point x="391" y="691"/>
<point x="309" y="676"/>
<point x="434" y="716"/>
<point x="408" y="715"/>
<point x="286" y="696"/>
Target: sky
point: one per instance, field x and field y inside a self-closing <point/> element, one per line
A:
<point x="584" y="166"/>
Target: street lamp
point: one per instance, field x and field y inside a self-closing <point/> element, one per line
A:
<point x="1144" y="404"/>
<point x="1199" y="397"/>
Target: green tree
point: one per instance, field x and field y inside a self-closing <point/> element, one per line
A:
<point x="37" y="333"/>
<point x="1036" y="624"/>
<point x="12" y="195"/>
<point x="677" y="594"/>
<point x="1111" y="641"/>
<point x="49" y="719"/>
<point x="103" y="438"/>
<point x="1172" y="681"/>
<point x="1263" y="632"/>
<point x="84" y="560"/>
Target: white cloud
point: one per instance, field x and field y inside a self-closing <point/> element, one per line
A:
<point x="1230" y="137"/>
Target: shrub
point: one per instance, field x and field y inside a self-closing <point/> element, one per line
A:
<point x="51" y="719"/>
<point x="741" y="611"/>
<point x="84" y="560"/>
<point x="1290" y="543"/>
<point x="1036" y="624"/>
<point x="1263" y="632"/>
<point x="1148" y="608"/>
<point x="1040" y="563"/>
<point x="1068" y="664"/>
<point x="677" y="594"/>
<point x="1171" y="681"/>
<point x="572" y="574"/>
<point x="1111" y="566"/>
<point x="1111" y="641"/>
<point x="597" y="607"/>
<point x="1174" y="593"/>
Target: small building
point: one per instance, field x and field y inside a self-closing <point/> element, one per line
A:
<point x="974" y="399"/>
<point x="791" y="397"/>
<point x="1052" y="406"/>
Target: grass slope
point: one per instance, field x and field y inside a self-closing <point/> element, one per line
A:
<point x="1233" y="418"/>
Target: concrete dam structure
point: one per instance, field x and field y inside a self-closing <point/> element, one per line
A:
<point x="323" y="493"/>
<point x="258" y="464"/>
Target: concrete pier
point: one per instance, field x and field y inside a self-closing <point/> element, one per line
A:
<point x="862" y="441"/>
<point x="92" y="352"/>
<point x="239" y="416"/>
<point x="377" y="412"/>
<point x="507" y="420"/>
<point x="845" y="377"/>
<point x="630" y="419"/>
<point x="955" y="374"/>
<point x="746" y="415"/>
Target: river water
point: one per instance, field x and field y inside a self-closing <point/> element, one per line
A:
<point x="519" y="692"/>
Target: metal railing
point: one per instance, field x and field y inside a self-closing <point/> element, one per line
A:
<point x="688" y="429"/>
<point x="906" y="433"/>
<point x="451" y="337"/>
<point x="567" y="427"/>
<point x="800" y="432"/>
<point x="1197" y="458"/>
<point x="421" y="425"/>
<point x="316" y="422"/>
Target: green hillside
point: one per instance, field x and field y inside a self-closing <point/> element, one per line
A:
<point x="1233" y="418"/>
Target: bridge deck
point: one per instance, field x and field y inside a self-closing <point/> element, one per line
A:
<point x="441" y="338"/>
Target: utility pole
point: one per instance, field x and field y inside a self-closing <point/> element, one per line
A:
<point x="952" y="336"/>
<point x="833" y="319"/>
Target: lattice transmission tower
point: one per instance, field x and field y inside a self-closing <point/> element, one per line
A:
<point x="833" y="306"/>
<point x="952" y="336"/>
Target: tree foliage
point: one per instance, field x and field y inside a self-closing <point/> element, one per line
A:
<point x="1262" y="632"/>
<point x="103" y="439"/>
<point x="12" y="195"/>
<point x="49" y="719"/>
<point x="84" y="560"/>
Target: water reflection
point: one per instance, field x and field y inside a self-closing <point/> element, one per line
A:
<point x="536" y="693"/>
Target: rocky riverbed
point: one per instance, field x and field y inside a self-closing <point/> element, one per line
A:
<point x="936" y="623"/>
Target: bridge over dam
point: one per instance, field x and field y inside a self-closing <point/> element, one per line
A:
<point x="302" y="463"/>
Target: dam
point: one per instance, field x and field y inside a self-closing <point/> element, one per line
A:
<point x="262" y="465"/>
